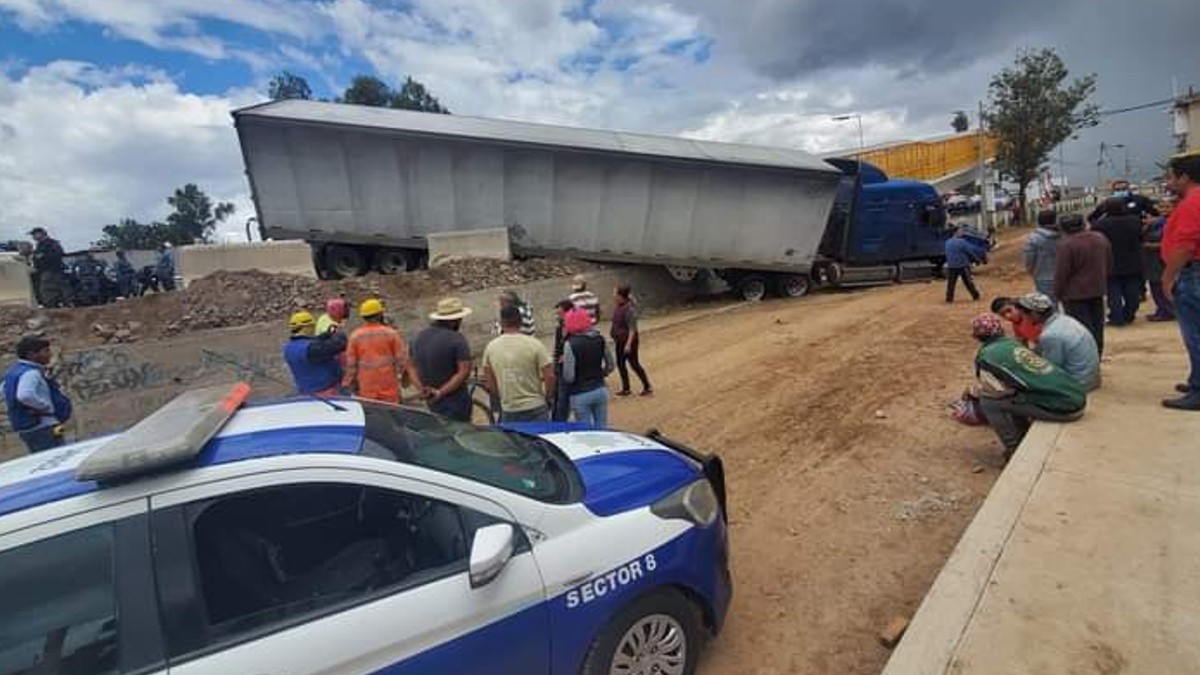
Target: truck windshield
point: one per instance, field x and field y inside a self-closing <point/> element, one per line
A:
<point x="523" y="464"/>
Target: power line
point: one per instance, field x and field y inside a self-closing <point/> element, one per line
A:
<point x="1140" y="106"/>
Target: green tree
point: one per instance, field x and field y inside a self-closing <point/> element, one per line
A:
<point x="372" y="91"/>
<point x="368" y="90"/>
<point x="960" y="122"/>
<point x="131" y="235"/>
<point x="414" y="96"/>
<point x="1032" y="109"/>
<point x="286" y="85"/>
<point x="195" y="216"/>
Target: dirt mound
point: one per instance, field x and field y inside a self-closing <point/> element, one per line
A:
<point x="225" y="299"/>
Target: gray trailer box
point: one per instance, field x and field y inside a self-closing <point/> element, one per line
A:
<point x="358" y="175"/>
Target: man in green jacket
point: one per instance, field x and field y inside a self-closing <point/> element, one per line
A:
<point x="1016" y="386"/>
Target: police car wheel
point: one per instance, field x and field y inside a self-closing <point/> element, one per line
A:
<point x="660" y="634"/>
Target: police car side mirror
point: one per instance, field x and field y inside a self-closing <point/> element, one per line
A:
<point x="490" y="552"/>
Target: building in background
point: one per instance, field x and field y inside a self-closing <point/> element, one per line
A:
<point x="1187" y="121"/>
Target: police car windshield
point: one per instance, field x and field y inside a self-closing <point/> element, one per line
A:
<point x="515" y="462"/>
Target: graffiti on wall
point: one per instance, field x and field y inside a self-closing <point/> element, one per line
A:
<point x="89" y="375"/>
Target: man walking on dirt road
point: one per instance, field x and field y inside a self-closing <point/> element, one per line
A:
<point x="376" y="355"/>
<point x="1081" y="273"/>
<point x="960" y="255"/>
<point x="443" y="359"/>
<point x="1181" y="278"/>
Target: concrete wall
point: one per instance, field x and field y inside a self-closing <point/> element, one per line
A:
<point x="490" y="243"/>
<point x="114" y="386"/>
<point x="15" y="284"/>
<point x="291" y="257"/>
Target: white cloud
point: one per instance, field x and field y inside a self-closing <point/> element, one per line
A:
<point x="85" y="146"/>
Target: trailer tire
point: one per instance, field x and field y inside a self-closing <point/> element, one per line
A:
<point x="752" y="288"/>
<point x="792" y="285"/>
<point x="393" y="261"/>
<point x="345" y="261"/>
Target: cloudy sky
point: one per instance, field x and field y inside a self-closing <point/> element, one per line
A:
<point x="107" y="105"/>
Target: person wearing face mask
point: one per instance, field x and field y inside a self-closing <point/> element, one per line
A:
<point x="1137" y="204"/>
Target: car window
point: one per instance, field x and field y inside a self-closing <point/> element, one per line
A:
<point x="510" y="461"/>
<point x="58" y="610"/>
<point x="280" y="555"/>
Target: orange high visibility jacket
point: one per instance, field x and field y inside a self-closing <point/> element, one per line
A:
<point x="375" y="357"/>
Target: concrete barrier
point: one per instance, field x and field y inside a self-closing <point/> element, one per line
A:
<point x="114" y="386"/>
<point x="15" y="284"/>
<point x="290" y="257"/>
<point x="489" y="243"/>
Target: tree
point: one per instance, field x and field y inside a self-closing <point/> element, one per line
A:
<point x="195" y="216"/>
<point x="1032" y="109"/>
<point x="287" y="85"/>
<point x="960" y="122"/>
<point x="412" y="95"/>
<point x="131" y="235"/>
<point x="368" y="90"/>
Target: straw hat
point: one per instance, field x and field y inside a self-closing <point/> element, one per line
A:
<point x="449" y="309"/>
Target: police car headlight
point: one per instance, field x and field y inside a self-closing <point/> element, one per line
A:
<point x="695" y="502"/>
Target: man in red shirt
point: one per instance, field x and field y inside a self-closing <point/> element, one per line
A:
<point x="1181" y="278"/>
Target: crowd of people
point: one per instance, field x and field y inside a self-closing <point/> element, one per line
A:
<point x="527" y="380"/>
<point x="1043" y="367"/>
<point x="85" y="280"/>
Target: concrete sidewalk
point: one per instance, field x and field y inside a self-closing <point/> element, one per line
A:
<point x="1085" y="557"/>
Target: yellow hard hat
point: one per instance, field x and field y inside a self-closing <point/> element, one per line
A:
<point x="301" y="320"/>
<point x="370" y="307"/>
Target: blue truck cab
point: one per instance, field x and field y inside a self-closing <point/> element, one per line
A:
<point x="881" y="229"/>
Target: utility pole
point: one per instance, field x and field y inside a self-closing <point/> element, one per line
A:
<point x="1125" y="150"/>
<point x="987" y="197"/>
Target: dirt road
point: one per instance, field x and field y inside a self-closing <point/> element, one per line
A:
<point x="849" y="483"/>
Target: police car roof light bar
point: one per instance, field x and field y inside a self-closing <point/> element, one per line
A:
<point x="174" y="433"/>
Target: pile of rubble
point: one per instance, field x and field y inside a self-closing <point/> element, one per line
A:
<point x="226" y="299"/>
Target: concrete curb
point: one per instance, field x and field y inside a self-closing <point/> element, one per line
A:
<point x="937" y="629"/>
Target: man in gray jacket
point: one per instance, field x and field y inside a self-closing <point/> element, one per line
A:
<point x="1040" y="252"/>
<point x="1062" y="340"/>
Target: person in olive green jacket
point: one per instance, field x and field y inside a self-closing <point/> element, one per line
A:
<point x="1016" y="386"/>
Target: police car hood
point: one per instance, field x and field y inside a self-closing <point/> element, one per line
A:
<point x="622" y="471"/>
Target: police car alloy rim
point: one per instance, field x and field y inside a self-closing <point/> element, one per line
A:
<point x="653" y="645"/>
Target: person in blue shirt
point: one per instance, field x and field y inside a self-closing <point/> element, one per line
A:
<point x="961" y="253"/>
<point x="37" y="406"/>
<point x="125" y="274"/>
<point x="313" y="359"/>
<point x="164" y="267"/>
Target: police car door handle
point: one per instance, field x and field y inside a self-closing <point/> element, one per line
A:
<point x="571" y="583"/>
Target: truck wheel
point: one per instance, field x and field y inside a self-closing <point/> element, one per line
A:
<point x="345" y="261"/>
<point x="752" y="288"/>
<point x="792" y="285"/>
<point x="684" y="275"/>
<point x="660" y="633"/>
<point x="393" y="261"/>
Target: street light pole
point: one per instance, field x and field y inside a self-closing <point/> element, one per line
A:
<point x="1125" y="151"/>
<point x="861" y="145"/>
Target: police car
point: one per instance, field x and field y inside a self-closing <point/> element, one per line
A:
<point x="312" y="536"/>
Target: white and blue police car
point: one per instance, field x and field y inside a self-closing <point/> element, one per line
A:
<point x="305" y="537"/>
